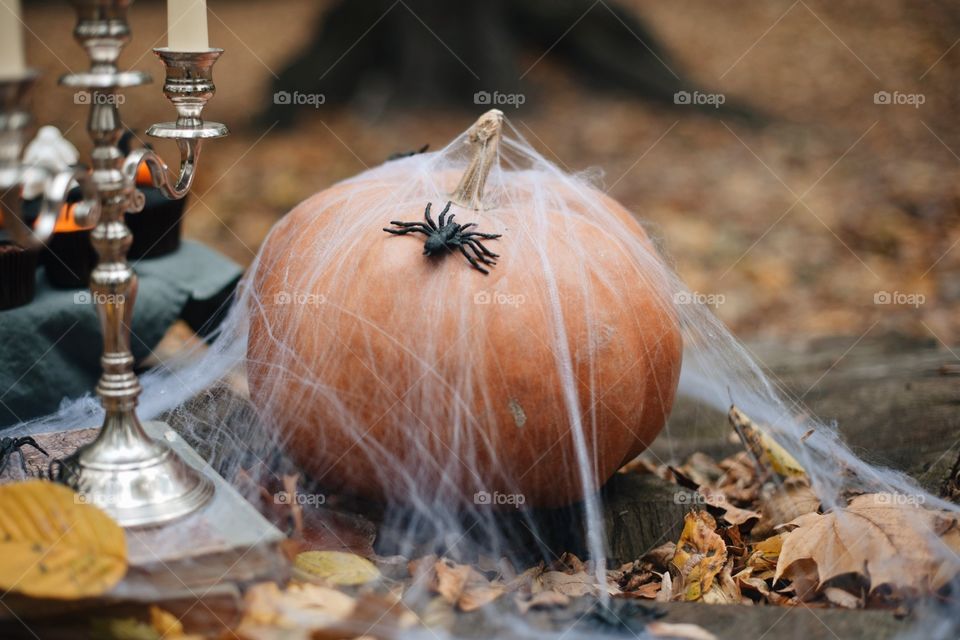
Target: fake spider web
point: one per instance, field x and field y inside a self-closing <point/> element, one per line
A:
<point x="206" y="393"/>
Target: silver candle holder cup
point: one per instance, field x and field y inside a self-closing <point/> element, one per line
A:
<point x="189" y="86"/>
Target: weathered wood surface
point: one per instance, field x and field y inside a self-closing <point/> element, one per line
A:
<point x="727" y="622"/>
<point x="896" y="401"/>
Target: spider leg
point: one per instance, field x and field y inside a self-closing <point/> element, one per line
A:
<point x="473" y="262"/>
<point x="426" y="214"/>
<point x="400" y="223"/>
<point x="403" y="232"/>
<point x="467" y="226"/>
<point x="485" y="236"/>
<point x="21" y="442"/>
<point x="482" y="258"/>
<point x="479" y="245"/>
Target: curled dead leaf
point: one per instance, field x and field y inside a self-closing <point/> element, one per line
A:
<point x="767" y="451"/>
<point x="700" y="555"/>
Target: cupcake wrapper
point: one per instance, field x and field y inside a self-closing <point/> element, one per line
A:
<point x="17" y="277"/>
<point x="157" y="229"/>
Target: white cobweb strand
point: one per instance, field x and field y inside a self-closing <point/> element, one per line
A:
<point x="192" y="391"/>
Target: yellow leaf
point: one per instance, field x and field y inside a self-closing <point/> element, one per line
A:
<point x="165" y="623"/>
<point x="335" y="567"/>
<point x="763" y="447"/>
<point x="701" y="554"/>
<point x="52" y="546"/>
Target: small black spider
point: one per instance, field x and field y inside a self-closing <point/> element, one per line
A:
<point x="447" y="236"/>
<point x="406" y="154"/>
<point x="9" y="445"/>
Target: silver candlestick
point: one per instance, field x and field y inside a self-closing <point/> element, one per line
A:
<point x="136" y="479"/>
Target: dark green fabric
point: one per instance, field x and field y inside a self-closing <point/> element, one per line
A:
<point x="50" y="348"/>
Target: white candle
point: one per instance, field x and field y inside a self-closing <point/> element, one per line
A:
<point x="12" y="63"/>
<point x="186" y="25"/>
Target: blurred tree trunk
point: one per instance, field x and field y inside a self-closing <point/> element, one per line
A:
<point x="430" y="52"/>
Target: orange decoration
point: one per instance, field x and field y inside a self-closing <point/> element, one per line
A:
<point x="144" y="178"/>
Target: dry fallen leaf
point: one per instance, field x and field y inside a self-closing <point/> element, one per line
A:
<point x="334" y="567"/>
<point x="884" y="537"/>
<point x="764" y="448"/>
<point x="785" y="503"/>
<point x="731" y="513"/>
<point x="541" y="600"/>
<point x="464" y="586"/>
<point x="666" y="589"/>
<point x="701" y="554"/>
<point x="314" y="612"/>
<point x="725" y="589"/>
<point x="168" y="626"/>
<point x="843" y="598"/>
<point x="763" y="558"/>
<point x="52" y="545"/>
<point x="678" y="631"/>
<point x="574" y="585"/>
<point x="662" y="555"/>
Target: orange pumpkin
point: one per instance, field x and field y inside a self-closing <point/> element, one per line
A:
<point x="402" y="376"/>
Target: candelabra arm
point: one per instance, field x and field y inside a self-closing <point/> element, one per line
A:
<point x="86" y="212"/>
<point x="163" y="178"/>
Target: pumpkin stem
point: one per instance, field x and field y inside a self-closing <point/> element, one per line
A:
<point x="484" y="136"/>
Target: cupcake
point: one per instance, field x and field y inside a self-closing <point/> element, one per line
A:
<point x="157" y="229"/>
<point x="18" y="268"/>
<point x="70" y="257"/>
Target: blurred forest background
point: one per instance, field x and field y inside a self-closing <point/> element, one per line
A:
<point x="795" y="206"/>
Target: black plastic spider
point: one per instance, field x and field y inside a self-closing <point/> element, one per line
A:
<point x="9" y="445"/>
<point x="406" y="154"/>
<point x="447" y="236"/>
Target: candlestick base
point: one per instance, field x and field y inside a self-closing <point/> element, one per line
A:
<point x="138" y="481"/>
